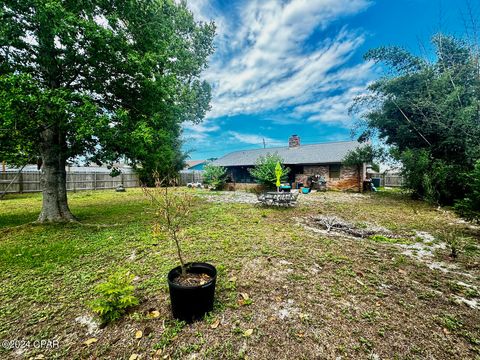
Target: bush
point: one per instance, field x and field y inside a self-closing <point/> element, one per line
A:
<point x="264" y="170"/>
<point x="455" y="240"/>
<point x="115" y="296"/>
<point x="469" y="207"/>
<point x="214" y="176"/>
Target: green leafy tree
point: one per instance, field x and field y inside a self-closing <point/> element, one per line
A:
<point x="100" y="80"/>
<point x="215" y="176"/>
<point x="365" y="154"/>
<point x="426" y="110"/>
<point x="264" y="170"/>
<point x="166" y="161"/>
<point x="469" y="206"/>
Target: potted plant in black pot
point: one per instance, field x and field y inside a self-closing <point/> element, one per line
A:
<point x="191" y="285"/>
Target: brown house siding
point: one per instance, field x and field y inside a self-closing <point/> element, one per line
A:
<point x="348" y="180"/>
<point x="239" y="178"/>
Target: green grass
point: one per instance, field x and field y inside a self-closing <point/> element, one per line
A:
<point x="385" y="239"/>
<point x="359" y="296"/>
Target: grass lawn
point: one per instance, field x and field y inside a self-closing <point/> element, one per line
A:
<point x="306" y="294"/>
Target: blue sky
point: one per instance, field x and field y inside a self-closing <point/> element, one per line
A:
<point x="294" y="67"/>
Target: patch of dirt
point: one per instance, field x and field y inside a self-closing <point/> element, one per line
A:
<point x="269" y="269"/>
<point x="240" y="197"/>
<point x="92" y="326"/>
<point x="286" y="310"/>
<point x="191" y="279"/>
<point x="339" y="225"/>
<point x="330" y="196"/>
<point x="420" y="245"/>
<point x="243" y="197"/>
<point x="473" y="303"/>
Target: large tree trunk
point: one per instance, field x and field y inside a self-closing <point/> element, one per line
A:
<point x="53" y="145"/>
<point x="54" y="179"/>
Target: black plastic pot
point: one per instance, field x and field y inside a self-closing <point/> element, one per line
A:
<point x="191" y="303"/>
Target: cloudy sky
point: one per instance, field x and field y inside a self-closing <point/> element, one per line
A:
<point x="293" y="67"/>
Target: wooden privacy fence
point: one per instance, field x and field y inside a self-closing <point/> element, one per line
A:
<point x="29" y="181"/>
<point x="191" y="177"/>
<point x="390" y="180"/>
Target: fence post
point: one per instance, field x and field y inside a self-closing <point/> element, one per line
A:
<point x="94" y="180"/>
<point x="74" y="180"/>
<point x="20" y="182"/>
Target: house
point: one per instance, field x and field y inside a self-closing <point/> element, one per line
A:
<point x="305" y="163"/>
<point x="194" y="165"/>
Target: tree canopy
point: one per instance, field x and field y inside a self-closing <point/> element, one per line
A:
<point x="365" y="154"/>
<point x="427" y="111"/>
<point x="101" y="80"/>
<point x="264" y="170"/>
<point x="214" y="175"/>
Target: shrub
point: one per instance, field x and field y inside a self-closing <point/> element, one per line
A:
<point x="264" y="170"/>
<point x="455" y="241"/>
<point x="214" y="176"/>
<point x="469" y="207"/>
<point x="115" y="296"/>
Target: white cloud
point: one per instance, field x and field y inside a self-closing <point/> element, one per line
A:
<point x="198" y="132"/>
<point x="265" y="58"/>
<point x="196" y="136"/>
<point x="253" y="139"/>
<point x="202" y="128"/>
<point x="332" y="109"/>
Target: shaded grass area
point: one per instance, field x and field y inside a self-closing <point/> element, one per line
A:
<point x="309" y="295"/>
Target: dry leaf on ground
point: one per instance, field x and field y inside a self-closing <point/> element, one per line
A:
<point x="90" y="341"/>
<point x="154" y="314"/>
<point x="215" y="324"/>
<point x="248" y="332"/>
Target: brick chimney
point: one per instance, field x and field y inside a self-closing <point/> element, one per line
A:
<point x="294" y="141"/>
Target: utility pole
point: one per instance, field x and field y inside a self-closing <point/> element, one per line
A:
<point x="264" y="143"/>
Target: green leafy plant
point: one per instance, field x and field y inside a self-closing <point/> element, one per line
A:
<point x="455" y="241"/>
<point x="116" y="295"/>
<point x="451" y="322"/>
<point x="214" y="176"/>
<point x="365" y="154"/>
<point x="264" y="170"/>
<point x="469" y="207"/>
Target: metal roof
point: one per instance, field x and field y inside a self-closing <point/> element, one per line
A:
<point x="192" y="163"/>
<point x="332" y="152"/>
